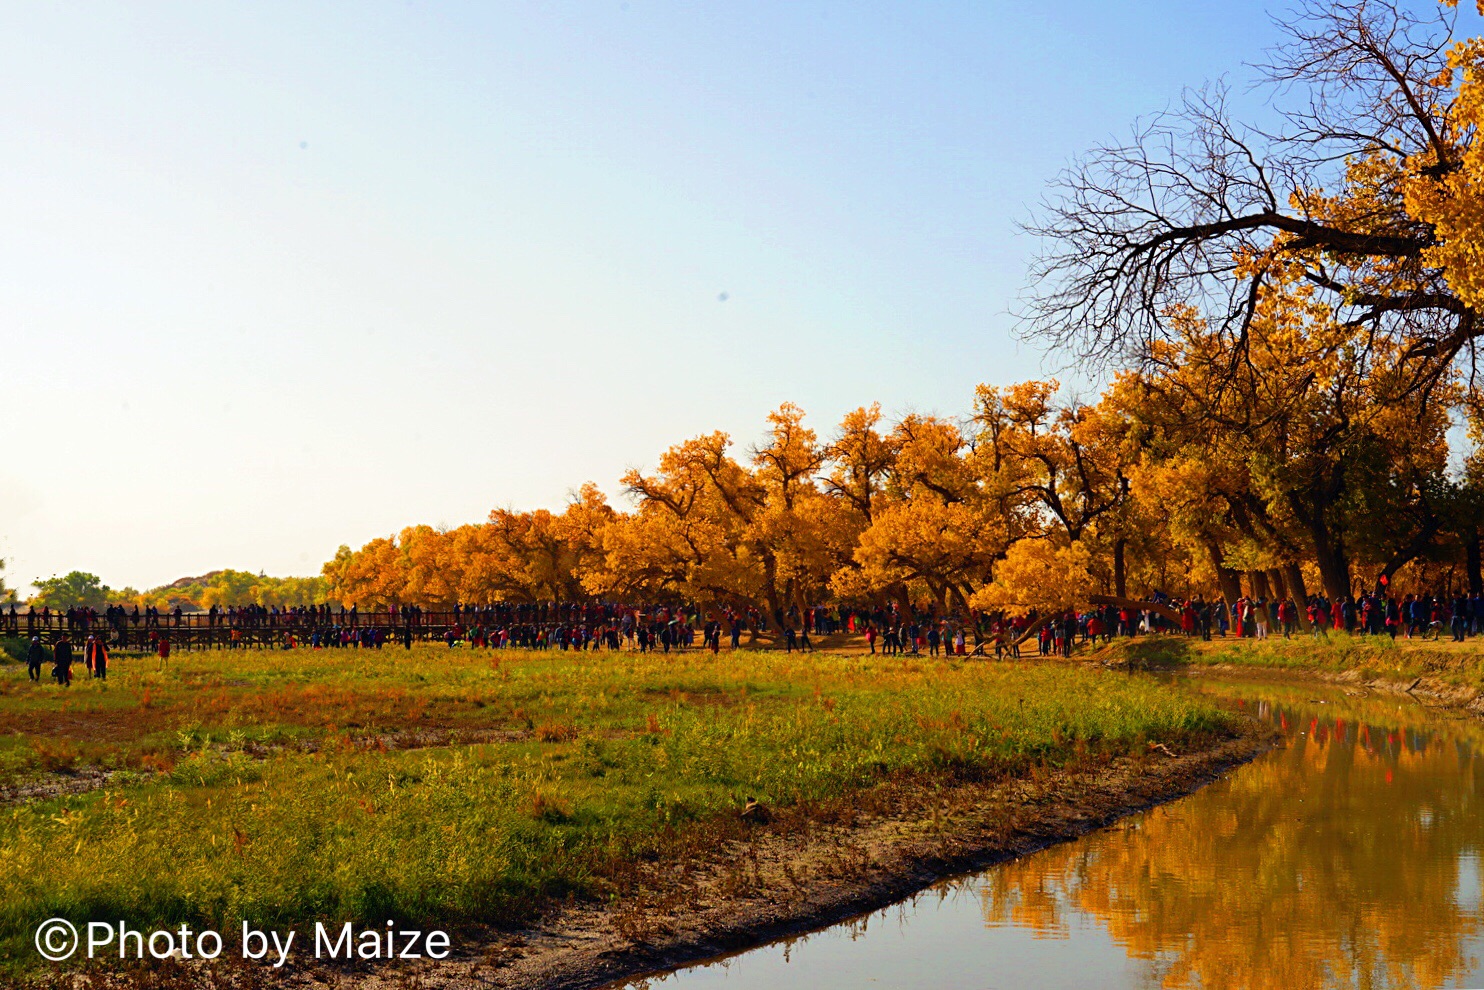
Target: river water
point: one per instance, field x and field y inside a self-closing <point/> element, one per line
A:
<point x="1349" y="858"/>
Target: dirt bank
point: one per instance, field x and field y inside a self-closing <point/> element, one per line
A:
<point x="788" y="877"/>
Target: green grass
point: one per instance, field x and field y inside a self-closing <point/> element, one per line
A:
<point x="1373" y="656"/>
<point x="278" y="787"/>
<point x="12" y="650"/>
<point x="1368" y="657"/>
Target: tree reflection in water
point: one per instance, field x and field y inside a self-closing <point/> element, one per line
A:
<point x="1335" y="862"/>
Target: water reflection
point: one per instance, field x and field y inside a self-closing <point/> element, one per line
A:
<point x="1350" y="858"/>
<point x="1335" y="862"/>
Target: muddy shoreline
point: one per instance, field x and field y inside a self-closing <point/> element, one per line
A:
<point x="790" y="881"/>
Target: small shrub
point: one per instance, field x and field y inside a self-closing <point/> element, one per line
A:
<point x="209" y="769"/>
<point x="556" y="732"/>
<point x="53" y="756"/>
<point x="550" y="808"/>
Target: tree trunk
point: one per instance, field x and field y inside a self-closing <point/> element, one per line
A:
<point x="1472" y="554"/>
<point x="1120" y="575"/>
<point x="775" y="611"/>
<point x="904" y="603"/>
<point x="1258" y="582"/>
<point x="1133" y="606"/>
<point x="771" y="592"/>
<point x="1413" y="549"/>
<point x="1231" y="587"/>
<point x="1295" y="576"/>
<point x="1276" y="582"/>
<point x="1334" y="570"/>
<point x="961" y="601"/>
<point x="940" y="595"/>
<point x="1034" y="628"/>
<point x="1329" y="551"/>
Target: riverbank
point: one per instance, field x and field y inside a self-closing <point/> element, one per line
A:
<point x="1442" y="672"/>
<point x="1350" y="850"/>
<point x="794" y="870"/>
<point x="825" y="865"/>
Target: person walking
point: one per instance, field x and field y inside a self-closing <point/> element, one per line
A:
<point x="95" y="654"/>
<point x="35" y="657"/>
<point x="162" y="650"/>
<point x="62" y="660"/>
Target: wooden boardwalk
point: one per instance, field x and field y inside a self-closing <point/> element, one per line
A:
<point x="200" y="630"/>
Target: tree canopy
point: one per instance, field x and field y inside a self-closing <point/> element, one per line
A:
<point x="71" y="590"/>
<point x="1367" y="194"/>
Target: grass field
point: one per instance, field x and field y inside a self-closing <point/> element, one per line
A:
<point x="1457" y="665"/>
<point x="462" y="788"/>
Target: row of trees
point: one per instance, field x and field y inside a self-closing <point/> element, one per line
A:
<point x="1031" y="501"/>
<point x="80" y="589"/>
<point x="917" y="511"/>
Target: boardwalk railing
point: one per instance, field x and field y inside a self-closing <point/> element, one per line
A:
<point x="190" y="629"/>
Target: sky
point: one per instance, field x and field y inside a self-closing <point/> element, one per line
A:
<point x="280" y="277"/>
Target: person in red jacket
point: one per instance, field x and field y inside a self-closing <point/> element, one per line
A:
<point x="96" y="655"/>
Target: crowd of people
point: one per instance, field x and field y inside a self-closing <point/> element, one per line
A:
<point x="1412" y="616"/>
<point x="60" y="653"/>
<point x="610" y="626"/>
<point x="121" y="618"/>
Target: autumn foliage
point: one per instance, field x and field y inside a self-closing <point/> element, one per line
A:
<point x="1301" y="472"/>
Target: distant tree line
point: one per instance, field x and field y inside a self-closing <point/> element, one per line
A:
<point x="80" y="589"/>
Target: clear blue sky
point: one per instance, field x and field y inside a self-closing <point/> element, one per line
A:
<point x="277" y="277"/>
